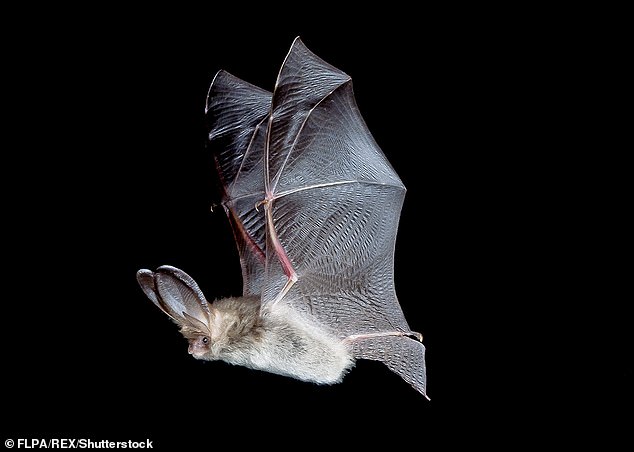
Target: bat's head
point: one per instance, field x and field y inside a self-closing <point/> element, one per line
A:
<point x="178" y="296"/>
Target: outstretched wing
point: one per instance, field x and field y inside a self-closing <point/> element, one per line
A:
<point x="236" y="114"/>
<point x="314" y="205"/>
<point x="333" y="203"/>
<point x="313" y="201"/>
<point x="323" y="238"/>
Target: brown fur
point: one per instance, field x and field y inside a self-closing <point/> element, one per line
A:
<point x="232" y="318"/>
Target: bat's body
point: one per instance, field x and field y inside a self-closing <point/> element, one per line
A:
<point x="314" y="205"/>
<point x="279" y="341"/>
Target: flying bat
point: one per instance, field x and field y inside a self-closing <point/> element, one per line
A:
<point x="314" y="206"/>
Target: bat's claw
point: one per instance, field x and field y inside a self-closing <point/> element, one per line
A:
<point x="260" y="203"/>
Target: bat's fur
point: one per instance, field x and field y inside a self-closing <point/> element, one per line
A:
<point x="277" y="340"/>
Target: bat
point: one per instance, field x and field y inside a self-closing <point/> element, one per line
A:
<point x="314" y="206"/>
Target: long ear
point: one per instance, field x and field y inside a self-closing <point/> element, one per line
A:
<point x="146" y="281"/>
<point x="176" y="294"/>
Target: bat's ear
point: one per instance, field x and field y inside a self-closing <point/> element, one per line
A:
<point x="176" y="294"/>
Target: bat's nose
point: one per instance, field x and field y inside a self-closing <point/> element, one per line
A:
<point x="190" y="350"/>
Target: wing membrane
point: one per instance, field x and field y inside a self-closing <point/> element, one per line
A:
<point x="236" y="114"/>
<point x="331" y="200"/>
<point x="342" y="254"/>
<point x="303" y="82"/>
<point x="314" y="206"/>
<point x="335" y="202"/>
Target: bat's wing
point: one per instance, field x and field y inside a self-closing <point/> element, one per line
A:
<point x="236" y="114"/>
<point x="333" y="203"/>
<point x="332" y="206"/>
<point x="310" y="191"/>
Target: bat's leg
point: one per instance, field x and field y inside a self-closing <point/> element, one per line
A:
<point x="401" y="352"/>
<point x="360" y="337"/>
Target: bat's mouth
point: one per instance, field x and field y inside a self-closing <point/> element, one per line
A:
<point x="196" y="351"/>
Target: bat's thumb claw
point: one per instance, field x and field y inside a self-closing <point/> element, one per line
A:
<point x="260" y="203"/>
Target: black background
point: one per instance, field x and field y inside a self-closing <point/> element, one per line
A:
<point x="110" y="175"/>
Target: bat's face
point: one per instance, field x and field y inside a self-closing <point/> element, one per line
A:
<point x="199" y="346"/>
<point x="177" y="295"/>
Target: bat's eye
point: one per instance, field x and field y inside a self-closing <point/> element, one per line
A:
<point x="205" y="340"/>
